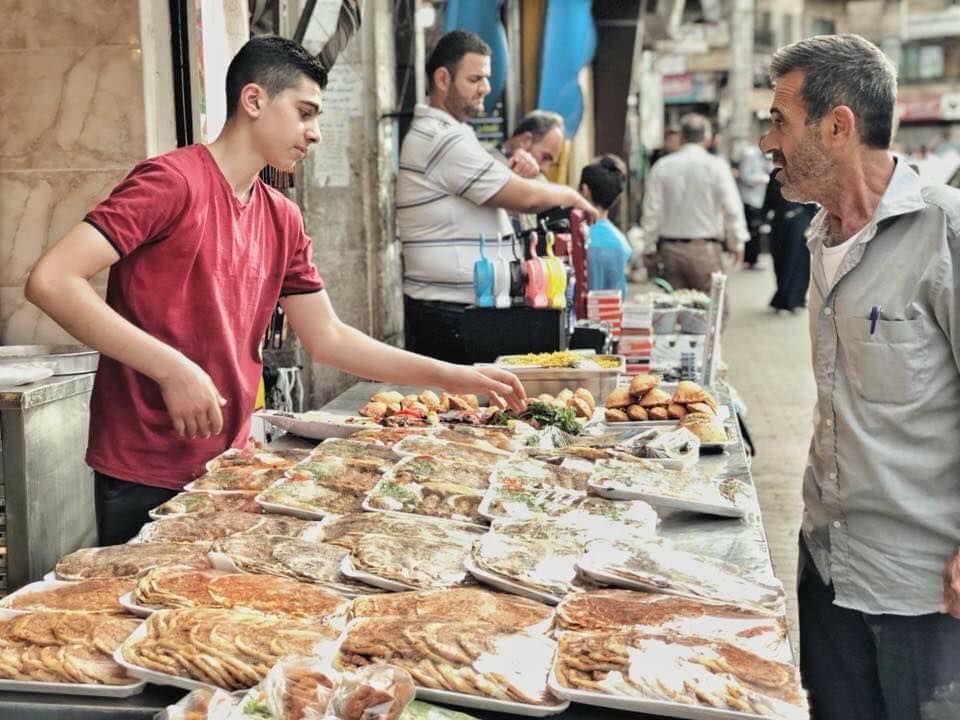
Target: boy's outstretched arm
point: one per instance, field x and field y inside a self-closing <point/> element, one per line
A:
<point x="59" y="284"/>
<point x="331" y="342"/>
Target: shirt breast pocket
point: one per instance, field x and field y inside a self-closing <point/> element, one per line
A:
<point x="890" y="365"/>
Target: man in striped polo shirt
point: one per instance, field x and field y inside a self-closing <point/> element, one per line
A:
<point x="450" y="190"/>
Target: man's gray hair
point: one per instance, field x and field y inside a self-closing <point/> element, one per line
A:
<point x="538" y="123"/>
<point x="694" y="128"/>
<point x="844" y="70"/>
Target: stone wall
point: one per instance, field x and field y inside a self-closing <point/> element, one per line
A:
<point x="71" y="85"/>
<point x="346" y="191"/>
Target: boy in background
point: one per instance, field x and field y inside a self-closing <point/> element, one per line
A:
<point x="608" y="252"/>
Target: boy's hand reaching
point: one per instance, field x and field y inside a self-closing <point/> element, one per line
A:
<point x="487" y="381"/>
<point x="192" y="400"/>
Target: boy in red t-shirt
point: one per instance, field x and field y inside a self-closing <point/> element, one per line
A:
<point x="200" y="250"/>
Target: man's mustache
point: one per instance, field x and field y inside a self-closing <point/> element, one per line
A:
<point x="778" y="158"/>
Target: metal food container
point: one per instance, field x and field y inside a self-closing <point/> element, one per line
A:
<point x="64" y="359"/>
<point x="552" y="380"/>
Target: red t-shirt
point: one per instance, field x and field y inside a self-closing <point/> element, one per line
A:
<point x="201" y="272"/>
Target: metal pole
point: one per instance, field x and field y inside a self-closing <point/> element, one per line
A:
<point x="740" y="83"/>
<point x="515" y="54"/>
<point x="629" y="210"/>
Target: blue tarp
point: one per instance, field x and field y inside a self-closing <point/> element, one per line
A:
<point x="569" y="41"/>
<point x="483" y="18"/>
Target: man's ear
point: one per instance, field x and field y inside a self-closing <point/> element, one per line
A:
<point x="526" y="140"/>
<point x="442" y="79"/>
<point x="585" y="191"/>
<point x="840" y="127"/>
<point x="252" y="99"/>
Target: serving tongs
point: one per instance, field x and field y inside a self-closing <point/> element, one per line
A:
<point x="483" y="279"/>
<point x="556" y="276"/>
<point x="501" y="277"/>
<point x="535" y="294"/>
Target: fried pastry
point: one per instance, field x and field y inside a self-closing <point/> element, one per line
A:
<point x="654" y="398"/>
<point x="642" y="384"/>
<point x="658" y="413"/>
<point x="637" y="413"/>
<point x="615" y="415"/>
<point x="619" y="398"/>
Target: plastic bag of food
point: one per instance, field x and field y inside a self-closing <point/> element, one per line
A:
<point x="200" y="705"/>
<point x="296" y="688"/>
<point x="375" y="692"/>
<point x="422" y="711"/>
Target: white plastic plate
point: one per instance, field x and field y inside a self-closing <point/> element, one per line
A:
<point x="317" y="424"/>
<point x="89" y="689"/>
<point x="133" y="608"/>
<point x="48" y="583"/>
<point x="190" y="487"/>
<point x="500" y="582"/>
<point x="347" y="568"/>
<point x="157" y="678"/>
<point x="411" y="514"/>
<point x="491" y="493"/>
<point x="613" y="580"/>
<point x="301" y="513"/>
<point x="622" y="493"/>
<point x="476" y="702"/>
<point x="655" y="708"/>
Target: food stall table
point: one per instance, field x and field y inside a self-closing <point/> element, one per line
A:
<point x="742" y="542"/>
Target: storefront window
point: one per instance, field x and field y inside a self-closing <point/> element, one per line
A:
<point x="922" y="62"/>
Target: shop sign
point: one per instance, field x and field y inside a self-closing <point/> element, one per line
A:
<point x="689" y="89"/>
<point x="671" y="64"/>
<point x="924" y="107"/>
<point x="950" y="106"/>
<point x="934" y="25"/>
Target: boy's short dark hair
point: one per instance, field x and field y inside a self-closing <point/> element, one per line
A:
<point x="605" y="177"/>
<point x="274" y="63"/>
<point x="450" y="51"/>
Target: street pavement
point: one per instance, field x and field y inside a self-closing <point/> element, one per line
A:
<point x="768" y="355"/>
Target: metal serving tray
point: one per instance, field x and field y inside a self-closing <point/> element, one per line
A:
<point x="62" y="359"/>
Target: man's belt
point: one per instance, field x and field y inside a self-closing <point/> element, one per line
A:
<point x="689" y="240"/>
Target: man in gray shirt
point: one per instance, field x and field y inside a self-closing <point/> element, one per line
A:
<point x="879" y="581"/>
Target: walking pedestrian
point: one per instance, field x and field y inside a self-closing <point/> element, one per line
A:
<point x="753" y="175"/>
<point x="788" y="247"/>
<point x="692" y="211"/>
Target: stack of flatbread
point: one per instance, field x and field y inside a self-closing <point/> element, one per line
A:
<point x="98" y="596"/>
<point x="231" y="649"/>
<point x="472" y="658"/>
<point x="312" y="562"/>
<point x="173" y="587"/>
<point x="325" y="485"/>
<point x="478" y="604"/>
<point x="64" y="647"/>
<point x="675" y="668"/>
<point x="759" y="632"/>
<point x="128" y="561"/>
<point x="205" y="502"/>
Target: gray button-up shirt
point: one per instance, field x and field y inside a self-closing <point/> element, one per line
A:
<point x="882" y="483"/>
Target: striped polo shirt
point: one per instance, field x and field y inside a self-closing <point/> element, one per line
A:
<point x="445" y="178"/>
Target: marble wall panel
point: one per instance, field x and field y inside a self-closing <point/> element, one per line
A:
<point x="31" y="24"/>
<point x="37" y="208"/>
<point x="24" y="324"/>
<point x="71" y="108"/>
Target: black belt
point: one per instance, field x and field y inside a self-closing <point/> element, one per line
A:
<point x="688" y="240"/>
